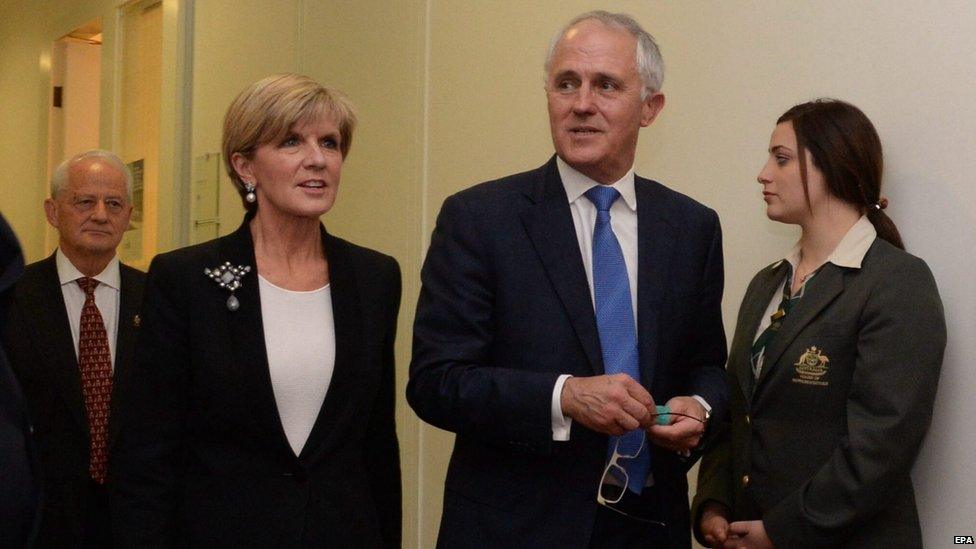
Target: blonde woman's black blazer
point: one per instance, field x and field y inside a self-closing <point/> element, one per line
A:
<point x="204" y="461"/>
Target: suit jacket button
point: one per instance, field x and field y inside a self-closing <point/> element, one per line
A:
<point x="748" y="420"/>
<point x="745" y="481"/>
<point x="298" y="475"/>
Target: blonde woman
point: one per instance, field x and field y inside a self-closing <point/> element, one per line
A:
<point x="264" y="392"/>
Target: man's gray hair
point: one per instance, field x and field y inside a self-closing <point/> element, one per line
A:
<point x="60" y="176"/>
<point x="650" y="64"/>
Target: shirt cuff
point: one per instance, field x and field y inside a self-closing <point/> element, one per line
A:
<point x="704" y="404"/>
<point x="560" y="423"/>
<point x="708" y="409"/>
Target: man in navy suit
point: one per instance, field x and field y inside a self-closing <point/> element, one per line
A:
<point x="519" y="350"/>
<point x="19" y="488"/>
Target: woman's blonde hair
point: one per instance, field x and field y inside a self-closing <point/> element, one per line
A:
<point x="268" y="109"/>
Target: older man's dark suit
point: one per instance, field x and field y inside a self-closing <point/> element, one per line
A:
<point x="505" y="309"/>
<point x="825" y="460"/>
<point x="41" y="350"/>
<point x="19" y="487"/>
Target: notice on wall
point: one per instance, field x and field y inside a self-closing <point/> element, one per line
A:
<point x="130" y="250"/>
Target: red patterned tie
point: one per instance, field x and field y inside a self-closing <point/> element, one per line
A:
<point x="95" y="364"/>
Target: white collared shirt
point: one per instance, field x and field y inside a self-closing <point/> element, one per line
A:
<point x="623" y="221"/>
<point x="849" y="253"/>
<point x="106" y="298"/>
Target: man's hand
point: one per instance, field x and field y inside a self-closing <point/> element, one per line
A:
<point x="681" y="434"/>
<point x="749" y="534"/>
<point x="714" y="524"/>
<point x="612" y="405"/>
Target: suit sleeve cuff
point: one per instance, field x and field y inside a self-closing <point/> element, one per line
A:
<point x="560" y="424"/>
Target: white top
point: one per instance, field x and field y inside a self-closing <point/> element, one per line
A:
<point x="849" y="253"/>
<point x="106" y="298"/>
<point x="623" y="221"/>
<point x="299" y="336"/>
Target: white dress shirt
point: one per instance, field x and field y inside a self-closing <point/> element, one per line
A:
<point x="299" y="336"/>
<point x="106" y="298"/>
<point x="623" y="221"/>
<point x="849" y="253"/>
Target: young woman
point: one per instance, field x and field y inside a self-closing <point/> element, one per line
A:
<point x="835" y="360"/>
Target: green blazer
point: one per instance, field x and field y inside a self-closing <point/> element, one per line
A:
<point x="820" y="447"/>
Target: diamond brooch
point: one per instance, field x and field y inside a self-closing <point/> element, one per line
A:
<point x="229" y="277"/>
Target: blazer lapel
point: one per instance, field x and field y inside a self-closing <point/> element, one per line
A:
<point x="655" y="245"/>
<point x="820" y="292"/>
<point x="54" y="334"/>
<point x="130" y="299"/>
<point x="347" y="319"/>
<point x="247" y="339"/>
<point x="549" y="224"/>
<point x="750" y="318"/>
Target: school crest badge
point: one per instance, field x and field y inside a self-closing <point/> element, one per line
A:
<point x="811" y="367"/>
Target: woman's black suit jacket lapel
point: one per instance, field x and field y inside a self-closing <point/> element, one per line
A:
<point x="247" y="331"/>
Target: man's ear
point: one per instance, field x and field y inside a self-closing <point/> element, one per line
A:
<point x="653" y="104"/>
<point x="51" y="212"/>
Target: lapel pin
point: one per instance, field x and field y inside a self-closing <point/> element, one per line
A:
<point x="229" y="277"/>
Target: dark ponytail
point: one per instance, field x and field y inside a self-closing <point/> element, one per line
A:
<point x="846" y="149"/>
<point x="883" y="224"/>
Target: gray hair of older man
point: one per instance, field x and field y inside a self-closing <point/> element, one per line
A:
<point x="650" y="64"/>
<point x="59" y="179"/>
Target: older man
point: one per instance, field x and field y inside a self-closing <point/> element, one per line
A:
<point x="69" y="339"/>
<point x="559" y="307"/>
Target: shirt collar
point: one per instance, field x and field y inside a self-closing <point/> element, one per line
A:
<point x="111" y="276"/>
<point x="576" y="184"/>
<point x="850" y="251"/>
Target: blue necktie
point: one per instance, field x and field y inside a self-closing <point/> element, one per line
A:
<point x="615" y="322"/>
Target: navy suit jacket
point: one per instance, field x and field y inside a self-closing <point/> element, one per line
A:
<point x="505" y="308"/>
<point x="19" y="488"/>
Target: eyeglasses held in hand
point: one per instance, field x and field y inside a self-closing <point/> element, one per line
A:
<point x="612" y="492"/>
